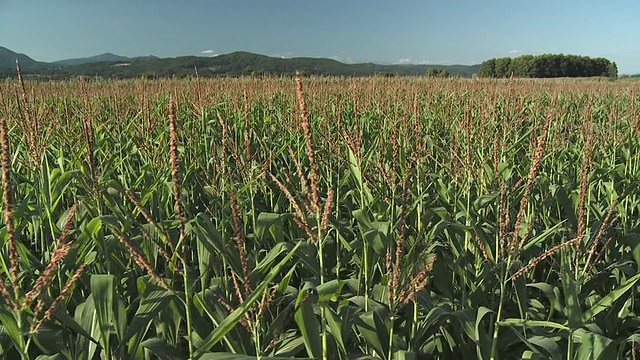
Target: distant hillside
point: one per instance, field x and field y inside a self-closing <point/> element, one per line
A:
<point x="8" y="60"/>
<point x="244" y="63"/>
<point x="98" y="58"/>
<point x="233" y="64"/>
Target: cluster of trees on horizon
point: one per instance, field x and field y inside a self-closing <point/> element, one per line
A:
<point x="548" y="66"/>
<point x="437" y="73"/>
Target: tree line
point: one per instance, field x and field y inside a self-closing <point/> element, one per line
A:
<point x="548" y="66"/>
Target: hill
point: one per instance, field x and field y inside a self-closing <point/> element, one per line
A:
<point x="98" y="58"/>
<point x="233" y="64"/>
<point x="8" y="60"/>
<point x="244" y="63"/>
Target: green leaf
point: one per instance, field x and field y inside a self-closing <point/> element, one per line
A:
<point x="377" y="240"/>
<point x="206" y="301"/>
<point x="209" y="245"/>
<point x="46" y="185"/>
<point x="536" y="342"/>
<point x="566" y="205"/>
<point x="266" y="222"/>
<point x="290" y="346"/>
<point x="150" y="305"/>
<point x="636" y="255"/>
<point x="86" y="316"/>
<point x="482" y="339"/>
<point x="335" y="324"/>
<point x="229" y="356"/>
<point x="50" y="357"/>
<point x="549" y="344"/>
<point x="227" y="324"/>
<point x="120" y="317"/>
<point x="265" y="264"/>
<point x="208" y="234"/>
<point x="530" y="355"/>
<point x="354" y="167"/>
<point x="61" y="182"/>
<point x="329" y="291"/>
<point x="362" y="219"/>
<point x="206" y="261"/>
<point x="609" y="299"/>
<point x="404" y="355"/>
<point x="593" y="346"/>
<point x="533" y="323"/>
<point x="571" y="299"/>
<point x="63" y="316"/>
<point x="102" y="289"/>
<point x="374" y="332"/>
<point x="464" y="317"/>
<point x="543" y="235"/>
<point x="484" y="200"/>
<point x="51" y="340"/>
<point x="521" y="291"/>
<point x="308" y="323"/>
<point x="12" y="329"/>
<point x="162" y="350"/>
<point x="548" y="290"/>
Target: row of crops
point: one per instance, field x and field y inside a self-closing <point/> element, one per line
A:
<point x="325" y="218"/>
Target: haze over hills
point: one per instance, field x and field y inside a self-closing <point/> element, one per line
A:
<point x="233" y="64"/>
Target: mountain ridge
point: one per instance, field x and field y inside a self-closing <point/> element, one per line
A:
<point x="8" y="60"/>
<point x="232" y="64"/>
<point x="97" y="58"/>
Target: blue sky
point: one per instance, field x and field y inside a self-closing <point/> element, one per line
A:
<point x="436" y="32"/>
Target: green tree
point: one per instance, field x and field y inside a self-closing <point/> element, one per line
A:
<point x="503" y="67"/>
<point x="548" y="66"/>
<point x="437" y="73"/>
<point x="612" y="70"/>
<point x="488" y="68"/>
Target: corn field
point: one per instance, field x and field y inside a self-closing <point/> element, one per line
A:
<point x="320" y="218"/>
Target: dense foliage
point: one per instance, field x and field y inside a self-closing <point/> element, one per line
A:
<point x="548" y="66"/>
<point x="437" y="73"/>
<point x="371" y="218"/>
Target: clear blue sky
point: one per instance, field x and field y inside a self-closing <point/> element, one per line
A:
<point x="415" y="31"/>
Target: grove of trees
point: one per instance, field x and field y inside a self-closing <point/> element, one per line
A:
<point x="548" y="66"/>
<point x="439" y="73"/>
